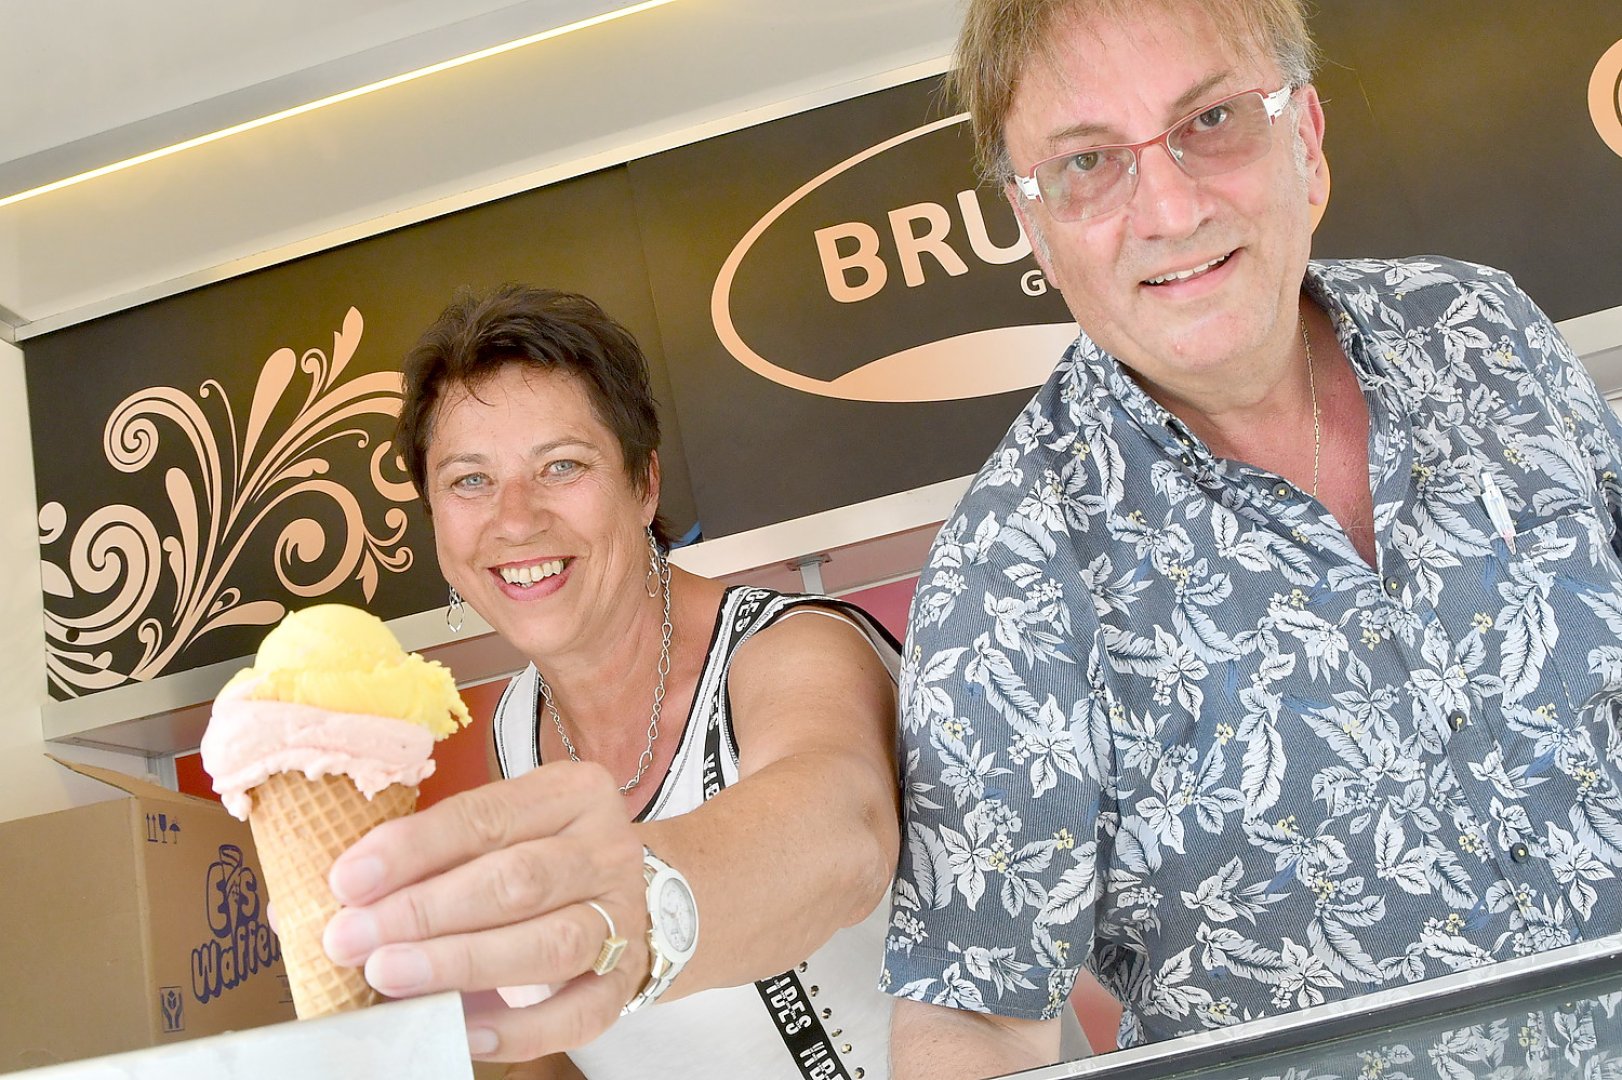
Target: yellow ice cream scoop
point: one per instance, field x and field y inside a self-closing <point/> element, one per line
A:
<point x="341" y="658"/>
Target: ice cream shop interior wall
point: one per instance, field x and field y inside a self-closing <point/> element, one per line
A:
<point x="199" y="347"/>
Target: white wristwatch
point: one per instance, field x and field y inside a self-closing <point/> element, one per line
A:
<point x="672" y="930"/>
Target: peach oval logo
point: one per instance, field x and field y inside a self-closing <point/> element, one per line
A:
<point x="1605" y="97"/>
<point x="949" y="369"/>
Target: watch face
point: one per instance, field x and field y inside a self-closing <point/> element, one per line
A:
<point x="678" y="918"/>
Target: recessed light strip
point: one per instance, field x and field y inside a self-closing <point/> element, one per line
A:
<point x="299" y="110"/>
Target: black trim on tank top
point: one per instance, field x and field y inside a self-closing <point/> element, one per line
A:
<point x="803" y="1035"/>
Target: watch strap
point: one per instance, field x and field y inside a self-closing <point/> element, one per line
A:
<point x="663" y="966"/>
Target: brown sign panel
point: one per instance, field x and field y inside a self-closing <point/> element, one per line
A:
<point x="1465" y="130"/>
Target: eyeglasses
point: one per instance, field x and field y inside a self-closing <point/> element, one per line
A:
<point x="1218" y="138"/>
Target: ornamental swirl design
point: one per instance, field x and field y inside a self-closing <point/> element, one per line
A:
<point x="233" y="489"/>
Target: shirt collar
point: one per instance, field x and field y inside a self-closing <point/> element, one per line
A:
<point x="1089" y="362"/>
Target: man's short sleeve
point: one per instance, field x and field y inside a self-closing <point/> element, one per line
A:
<point x="1589" y="418"/>
<point x="995" y="894"/>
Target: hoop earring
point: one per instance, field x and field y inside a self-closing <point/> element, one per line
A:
<point x="653" y="582"/>
<point x="453" y="613"/>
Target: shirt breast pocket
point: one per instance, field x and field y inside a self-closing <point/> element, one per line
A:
<point x="1560" y="623"/>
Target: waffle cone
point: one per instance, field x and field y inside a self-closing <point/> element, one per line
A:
<point x="300" y="826"/>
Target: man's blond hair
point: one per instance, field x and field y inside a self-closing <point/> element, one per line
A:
<point x="1001" y="38"/>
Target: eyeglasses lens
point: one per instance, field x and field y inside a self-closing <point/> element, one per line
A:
<point x="1226" y="136"/>
<point x="1220" y="138"/>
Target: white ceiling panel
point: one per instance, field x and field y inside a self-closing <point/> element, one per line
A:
<point x="81" y="72"/>
<point x="659" y="78"/>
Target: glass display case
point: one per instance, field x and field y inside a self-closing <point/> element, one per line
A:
<point x="1546" y="1017"/>
<point x="420" y="1039"/>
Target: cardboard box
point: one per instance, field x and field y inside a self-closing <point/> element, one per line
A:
<point x="131" y="923"/>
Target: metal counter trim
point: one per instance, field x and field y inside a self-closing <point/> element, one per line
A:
<point x="1343" y="1019"/>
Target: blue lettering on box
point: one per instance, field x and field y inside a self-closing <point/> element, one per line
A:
<point x="243" y="943"/>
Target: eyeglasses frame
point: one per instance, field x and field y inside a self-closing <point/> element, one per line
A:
<point x="1274" y="103"/>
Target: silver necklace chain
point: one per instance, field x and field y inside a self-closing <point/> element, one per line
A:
<point x="658" y="692"/>
<point x="1317" y="428"/>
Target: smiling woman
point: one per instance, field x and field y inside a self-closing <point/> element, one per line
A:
<point x="525" y="456"/>
<point x="718" y="802"/>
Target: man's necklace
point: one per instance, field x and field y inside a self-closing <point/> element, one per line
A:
<point x="658" y="693"/>
<point x="1317" y="427"/>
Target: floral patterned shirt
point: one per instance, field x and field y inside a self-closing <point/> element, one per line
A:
<point x="1163" y="722"/>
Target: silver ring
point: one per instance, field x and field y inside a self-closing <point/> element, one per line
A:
<point x="613" y="946"/>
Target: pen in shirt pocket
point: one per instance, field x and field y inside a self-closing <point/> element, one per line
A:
<point x="1497" y="510"/>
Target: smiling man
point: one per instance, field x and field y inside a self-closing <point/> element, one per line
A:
<point x="1272" y="658"/>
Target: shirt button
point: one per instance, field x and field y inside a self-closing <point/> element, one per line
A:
<point x="1393" y="586"/>
<point x="1281" y="491"/>
<point x="1457" y="721"/>
<point x="1520" y="852"/>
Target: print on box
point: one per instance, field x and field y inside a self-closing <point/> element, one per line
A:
<point x="173" y="1004"/>
<point x="158" y="828"/>
<point x="243" y="942"/>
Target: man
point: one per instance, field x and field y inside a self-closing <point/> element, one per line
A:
<point x="1272" y="658"/>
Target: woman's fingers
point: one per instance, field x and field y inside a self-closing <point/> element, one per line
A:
<point x="554" y="949"/>
<point x="496" y="889"/>
<point x="549" y="800"/>
<point x="488" y="888"/>
<point x="572" y="1017"/>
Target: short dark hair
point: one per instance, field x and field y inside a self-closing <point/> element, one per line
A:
<point x="477" y="336"/>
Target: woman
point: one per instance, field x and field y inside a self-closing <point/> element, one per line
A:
<point x="723" y="757"/>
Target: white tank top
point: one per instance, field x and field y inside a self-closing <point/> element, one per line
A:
<point x="824" y="1019"/>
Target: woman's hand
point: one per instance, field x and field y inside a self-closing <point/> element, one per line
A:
<point x="488" y="889"/>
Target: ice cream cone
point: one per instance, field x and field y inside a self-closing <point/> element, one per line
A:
<point x="300" y="826"/>
<point x="323" y="739"/>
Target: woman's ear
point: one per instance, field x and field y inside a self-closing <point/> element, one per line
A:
<point x="650" y="497"/>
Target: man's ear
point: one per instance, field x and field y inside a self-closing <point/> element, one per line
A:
<point x="1310" y="130"/>
<point x="1032" y="233"/>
